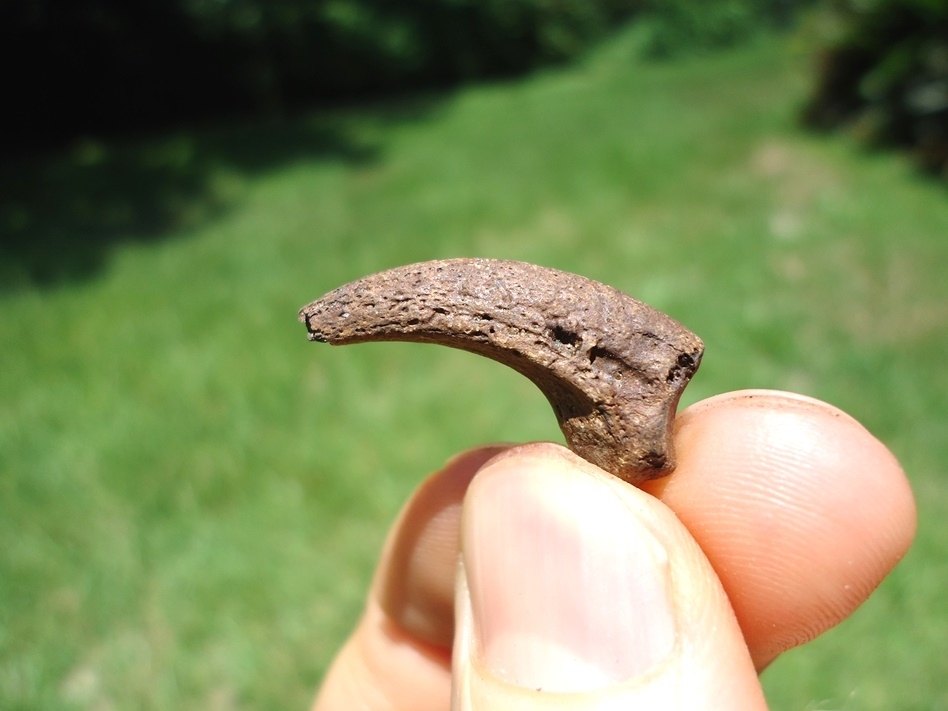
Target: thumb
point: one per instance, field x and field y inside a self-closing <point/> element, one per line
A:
<point x="578" y="591"/>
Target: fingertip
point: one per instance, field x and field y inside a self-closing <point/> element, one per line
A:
<point x="414" y="583"/>
<point x="398" y="657"/>
<point x="826" y="452"/>
<point x="800" y="509"/>
<point x="577" y="590"/>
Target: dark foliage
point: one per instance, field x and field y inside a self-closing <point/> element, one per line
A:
<point x="688" y="26"/>
<point x="97" y="67"/>
<point x="888" y="77"/>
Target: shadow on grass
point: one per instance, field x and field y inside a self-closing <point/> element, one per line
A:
<point x="60" y="216"/>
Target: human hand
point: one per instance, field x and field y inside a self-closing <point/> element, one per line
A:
<point x="576" y="590"/>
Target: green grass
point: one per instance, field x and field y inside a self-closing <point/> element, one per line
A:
<point x="192" y="496"/>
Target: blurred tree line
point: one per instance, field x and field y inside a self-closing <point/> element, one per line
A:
<point x="96" y="68"/>
<point x="886" y="76"/>
<point x="101" y="66"/>
<point x="79" y="68"/>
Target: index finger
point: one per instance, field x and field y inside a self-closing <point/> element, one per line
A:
<point x="801" y="511"/>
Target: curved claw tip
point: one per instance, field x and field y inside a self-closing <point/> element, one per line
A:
<point x="612" y="367"/>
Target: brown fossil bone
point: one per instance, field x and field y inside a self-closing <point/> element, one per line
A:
<point x="612" y="367"/>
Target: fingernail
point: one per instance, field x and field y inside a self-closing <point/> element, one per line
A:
<point x="569" y="590"/>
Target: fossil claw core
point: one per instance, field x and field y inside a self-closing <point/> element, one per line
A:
<point x="612" y="367"/>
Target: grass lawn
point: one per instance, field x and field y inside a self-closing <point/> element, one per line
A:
<point x="192" y="496"/>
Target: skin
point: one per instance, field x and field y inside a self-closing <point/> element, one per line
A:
<point x="782" y="516"/>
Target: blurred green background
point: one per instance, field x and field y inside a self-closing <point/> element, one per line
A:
<point x="192" y="497"/>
